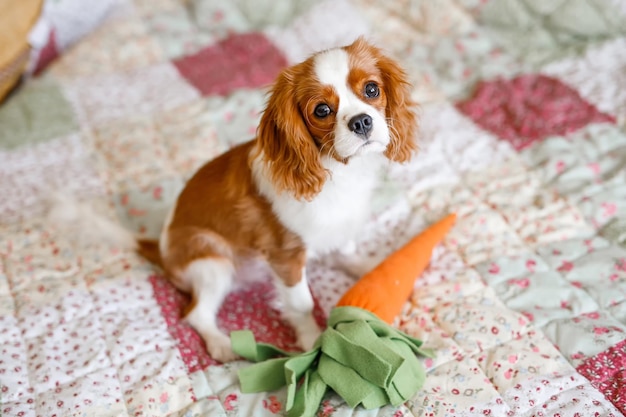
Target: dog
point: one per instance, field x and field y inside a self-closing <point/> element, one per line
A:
<point x="301" y="188"/>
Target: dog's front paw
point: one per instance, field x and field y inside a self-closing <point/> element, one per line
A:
<point x="219" y="347"/>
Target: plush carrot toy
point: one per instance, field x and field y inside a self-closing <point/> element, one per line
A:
<point x="360" y="355"/>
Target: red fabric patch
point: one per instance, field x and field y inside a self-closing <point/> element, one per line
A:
<point x="240" y="61"/>
<point x="247" y="308"/>
<point x="529" y="108"/>
<point x="607" y="372"/>
<point x="47" y="54"/>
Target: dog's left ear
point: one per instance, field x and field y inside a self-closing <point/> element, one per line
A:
<point x="400" y="110"/>
<point x="288" y="148"/>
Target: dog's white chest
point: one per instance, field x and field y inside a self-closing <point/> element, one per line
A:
<point x="333" y="218"/>
<point x="338" y="213"/>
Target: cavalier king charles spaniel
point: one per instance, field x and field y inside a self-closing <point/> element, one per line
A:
<point x="301" y="188"/>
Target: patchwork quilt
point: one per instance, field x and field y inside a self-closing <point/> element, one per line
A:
<point x="523" y="135"/>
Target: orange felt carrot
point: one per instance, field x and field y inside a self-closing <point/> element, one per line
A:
<point x="384" y="290"/>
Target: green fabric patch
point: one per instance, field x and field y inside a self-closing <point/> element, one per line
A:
<point x="540" y="31"/>
<point x="589" y="174"/>
<point x="36" y="113"/>
<point x="224" y="17"/>
<point x="363" y="359"/>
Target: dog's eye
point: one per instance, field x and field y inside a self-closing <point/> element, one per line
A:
<point x="322" y="110"/>
<point x="372" y="90"/>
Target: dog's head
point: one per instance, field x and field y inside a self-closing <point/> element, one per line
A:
<point x="341" y="103"/>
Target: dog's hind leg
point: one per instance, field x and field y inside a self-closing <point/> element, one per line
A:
<point x="200" y="262"/>
<point x="211" y="279"/>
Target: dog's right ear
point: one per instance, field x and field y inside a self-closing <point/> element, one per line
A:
<point x="288" y="150"/>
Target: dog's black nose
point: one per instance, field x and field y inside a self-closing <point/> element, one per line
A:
<point x="361" y="124"/>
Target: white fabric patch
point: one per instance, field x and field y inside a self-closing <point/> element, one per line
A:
<point x="599" y="76"/>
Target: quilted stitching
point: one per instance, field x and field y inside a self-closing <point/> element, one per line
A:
<point x="524" y="302"/>
<point x="539" y="31"/>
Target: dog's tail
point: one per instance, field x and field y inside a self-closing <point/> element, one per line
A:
<point x="81" y="224"/>
<point x="149" y="249"/>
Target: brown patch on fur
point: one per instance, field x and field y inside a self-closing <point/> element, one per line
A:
<point x="309" y="96"/>
<point x="288" y="147"/>
<point x="189" y="307"/>
<point x="220" y="214"/>
<point x="359" y="78"/>
<point x="399" y="107"/>
<point x="149" y="249"/>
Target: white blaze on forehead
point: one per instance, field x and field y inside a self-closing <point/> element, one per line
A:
<point x="332" y="68"/>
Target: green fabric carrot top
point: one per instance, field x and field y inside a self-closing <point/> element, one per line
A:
<point x="360" y="355"/>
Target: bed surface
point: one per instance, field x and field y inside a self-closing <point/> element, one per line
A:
<point x="523" y="135"/>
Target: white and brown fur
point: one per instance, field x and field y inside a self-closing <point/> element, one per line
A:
<point x="302" y="187"/>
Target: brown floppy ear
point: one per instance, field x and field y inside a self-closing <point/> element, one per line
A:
<point x="291" y="155"/>
<point x="400" y="111"/>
